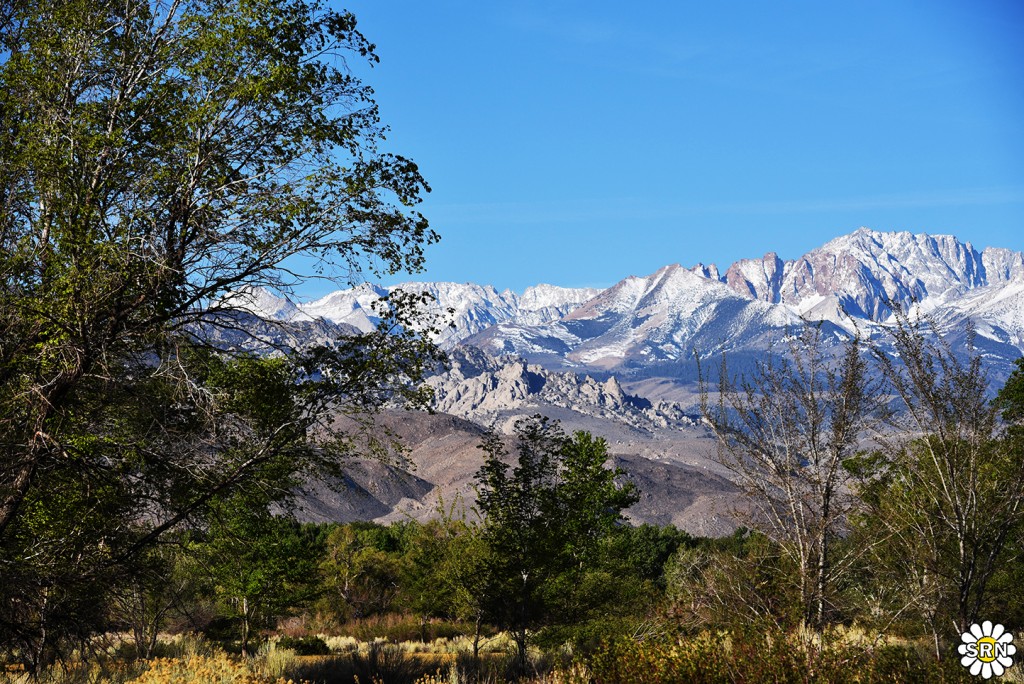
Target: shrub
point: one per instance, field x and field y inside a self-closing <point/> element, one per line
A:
<point x="304" y="646"/>
<point x="397" y="628"/>
<point x="758" y="657"/>
<point x="382" y="662"/>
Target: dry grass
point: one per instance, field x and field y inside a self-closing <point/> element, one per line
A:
<point x="216" y="669"/>
<point x="448" y="661"/>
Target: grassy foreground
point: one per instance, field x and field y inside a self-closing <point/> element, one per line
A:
<point x="706" y="658"/>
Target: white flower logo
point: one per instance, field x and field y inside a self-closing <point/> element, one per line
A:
<point x="987" y="650"/>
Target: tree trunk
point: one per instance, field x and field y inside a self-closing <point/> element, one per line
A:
<point x="520" y="638"/>
<point x="476" y="642"/>
<point x="823" y="561"/>
<point x="245" y="627"/>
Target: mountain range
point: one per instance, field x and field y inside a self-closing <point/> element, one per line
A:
<point x="650" y="326"/>
<point x="619" y="362"/>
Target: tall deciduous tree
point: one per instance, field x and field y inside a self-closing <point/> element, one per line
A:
<point x="544" y="517"/>
<point x="785" y="430"/>
<point x="949" y="497"/>
<point x="360" y="578"/>
<point x="156" y="155"/>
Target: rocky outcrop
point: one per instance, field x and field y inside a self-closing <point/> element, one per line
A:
<point x="479" y="387"/>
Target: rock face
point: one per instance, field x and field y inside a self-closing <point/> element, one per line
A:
<point x="238" y="330"/>
<point x="866" y="269"/>
<point x="757" y="278"/>
<point x="263" y="304"/>
<point x="483" y="388"/>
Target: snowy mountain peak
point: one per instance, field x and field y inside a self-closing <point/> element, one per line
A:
<point x="467" y="307"/>
<point x="353" y="307"/>
<point x="543" y="296"/>
<point x="262" y="303"/>
<point x="860" y="272"/>
<point x="757" y="278"/>
<point x="710" y="271"/>
<point x="658" y="320"/>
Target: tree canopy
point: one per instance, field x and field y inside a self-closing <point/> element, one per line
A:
<point x="545" y="518"/>
<point x="156" y="156"/>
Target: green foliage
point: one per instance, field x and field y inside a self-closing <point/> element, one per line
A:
<point x="304" y="646"/>
<point x="588" y="503"/>
<point x="544" y="524"/>
<point x="155" y="157"/>
<point x="361" y="570"/>
<point x="946" y="498"/>
<point x="642" y="551"/>
<point x="1010" y="400"/>
<point x="258" y="565"/>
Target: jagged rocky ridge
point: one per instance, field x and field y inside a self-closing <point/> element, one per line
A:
<point x="652" y="326"/>
<point x="481" y="388"/>
<point x="462" y="308"/>
<point x="863" y="271"/>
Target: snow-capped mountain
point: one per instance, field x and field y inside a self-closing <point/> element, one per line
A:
<point x="997" y="312"/>
<point x="643" y="321"/>
<point x="860" y="272"/>
<point x="261" y="303"/>
<point x="652" y="325"/>
<point x="542" y="303"/>
<point x="354" y="307"/>
<point x="462" y="309"/>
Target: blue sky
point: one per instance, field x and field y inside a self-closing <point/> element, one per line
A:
<point x="577" y="143"/>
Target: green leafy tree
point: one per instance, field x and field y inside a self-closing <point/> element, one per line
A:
<point x="421" y="589"/>
<point x="362" y="570"/>
<point x="447" y="570"/>
<point x="465" y="574"/>
<point x="164" y="588"/>
<point x="1010" y="400"/>
<point x="156" y="156"/>
<point x="258" y="565"/>
<point x="1007" y="588"/>
<point x="544" y="519"/>
<point x="643" y="550"/>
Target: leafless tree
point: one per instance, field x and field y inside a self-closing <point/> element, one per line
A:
<point x="785" y="430"/>
<point x="948" y="494"/>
